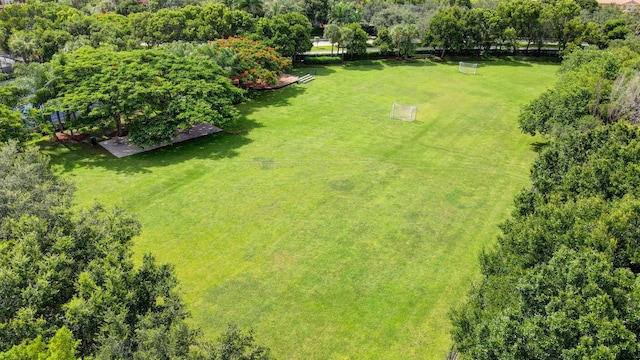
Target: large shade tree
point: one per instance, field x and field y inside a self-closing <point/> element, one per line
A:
<point x="446" y="29"/>
<point x="288" y="33"/>
<point x="11" y="125"/>
<point x="563" y="281"/>
<point x="153" y="92"/>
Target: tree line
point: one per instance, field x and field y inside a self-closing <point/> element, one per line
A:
<point x="501" y="25"/>
<point x="563" y="280"/>
<point x="148" y="74"/>
<point x="36" y="32"/>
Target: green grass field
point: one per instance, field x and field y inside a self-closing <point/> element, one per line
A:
<point x="323" y="47"/>
<point x="332" y="230"/>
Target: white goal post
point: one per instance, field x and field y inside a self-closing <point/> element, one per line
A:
<point x="467" y="68"/>
<point x="403" y="112"/>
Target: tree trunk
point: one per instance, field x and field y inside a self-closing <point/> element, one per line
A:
<point x="116" y="117"/>
<point x="60" y="127"/>
<point x="331" y="49"/>
<point x="67" y="116"/>
<point x="55" y="133"/>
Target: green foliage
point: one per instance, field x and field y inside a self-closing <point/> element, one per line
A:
<point x="28" y="188"/>
<point x="585" y="84"/>
<point x="590" y="164"/>
<point x="253" y="7"/>
<point x="234" y="344"/>
<point x="62" y="346"/>
<point x="289" y="34"/>
<point x="343" y="13"/>
<point x="242" y="59"/>
<point x="570" y="307"/>
<point x="69" y="281"/>
<point x="523" y="16"/>
<point x="153" y="92"/>
<point x="23" y="44"/>
<point x="50" y="42"/>
<point x="321" y="60"/>
<point x="277" y="7"/>
<point x="615" y="29"/>
<point x="316" y="10"/>
<point x="558" y="17"/>
<point x="446" y="29"/>
<point x="332" y="32"/>
<point x="394" y="15"/>
<point x="127" y="7"/>
<point x="11" y="125"/>
<point x="383" y="41"/>
<point x="9" y="95"/>
<point x="563" y="280"/>
<point x="354" y="39"/>
<point x="402" y="39"/>
<point x="36" y="32"/>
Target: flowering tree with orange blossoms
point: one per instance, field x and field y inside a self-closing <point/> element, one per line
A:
<point x="257" y="62"/>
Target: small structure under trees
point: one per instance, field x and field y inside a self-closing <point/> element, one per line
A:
<point x="152" y="92"/>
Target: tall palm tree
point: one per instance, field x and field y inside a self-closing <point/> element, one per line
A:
<point x="224" y="57"/>
<point x="22" y="43"/>
<point x="344" y="13"/>
<point x="38" y="82"/>
<point x="254" y="7"/>
<point x="277" y="7"/>
<point x="332" y="32"/>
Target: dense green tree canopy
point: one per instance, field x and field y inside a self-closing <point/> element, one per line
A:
<point x="585" y="83"/>
<point x="563" y="281"/>
<point x="316" y="10"/>
<point x="447" y="29"/>
<point x="355" y="40"/>
<point x="289" y="33"/>
<point x="11" y="126"/>
<point x="402" y="38"/>
<point x="153" y="92"/>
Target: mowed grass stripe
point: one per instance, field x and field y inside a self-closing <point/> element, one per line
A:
<point x="333" y="230"/>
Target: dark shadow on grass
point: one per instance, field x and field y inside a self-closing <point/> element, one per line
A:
<point x="363" y="65"/>
<point x="510" y="63"/>
<point x="69" y="156"/>
<point x="503" y="61"/>
<point x="410" y="63"/>
<point x="216" y="146"/>
<point x="266" y="98"/>
<point x="315" y="70"/>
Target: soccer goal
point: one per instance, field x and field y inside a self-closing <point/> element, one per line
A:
<point x="403" y="112"/>
<point x="467" y="68"/>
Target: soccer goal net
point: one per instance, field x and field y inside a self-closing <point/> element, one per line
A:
<point x="467" y="68"/>
<point x="403" y="112"/>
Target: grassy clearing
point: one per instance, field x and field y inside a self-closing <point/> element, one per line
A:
<point x="323" y="47"/>
<point x="333" y="230"/>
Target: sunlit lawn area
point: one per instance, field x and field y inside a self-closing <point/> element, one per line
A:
<point x="322" y="47"/>
<point x="332" y="230"/>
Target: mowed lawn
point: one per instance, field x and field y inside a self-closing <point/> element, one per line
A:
<point x="332" y="230"/>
